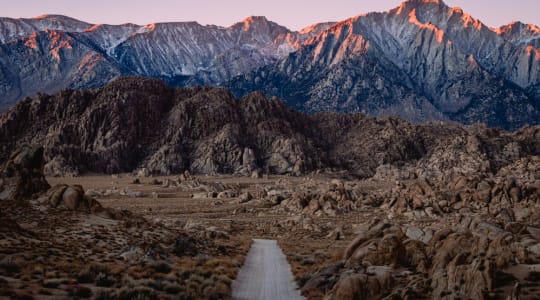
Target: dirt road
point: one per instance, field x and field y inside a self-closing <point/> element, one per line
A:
<point x="266" y="275"/>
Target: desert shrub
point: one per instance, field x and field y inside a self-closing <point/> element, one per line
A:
<point x="104" y="280"/>
<point x="79" y="292"/>
<point x="99" y="274"/>
<point x="105" y="295"/>
<point x="138" y="293"/>
<point x="222" y="278"/>
<point x="217" y="291"/>
<point x="44" y="292"/>
<point x="10" y="266"/>
<point x="533" y="276"/>
<point x="172" y="288"/>
<point x="51" y="283"/>
<point x="185" y="246"/>
<point x="155" y="284"/>
<point x="196" y="278"/>
<point x="161" y="267"/>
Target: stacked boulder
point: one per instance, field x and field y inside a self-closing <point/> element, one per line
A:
<point x="21" y="177"/>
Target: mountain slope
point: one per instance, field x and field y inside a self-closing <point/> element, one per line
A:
<point x="49" y="60"/>
<point x="50" y="53"/>
<point x="135" y="123"/>
<point x="421" y="61"/>
<point x="11" y="29"/>
<point x="456" y="68"/>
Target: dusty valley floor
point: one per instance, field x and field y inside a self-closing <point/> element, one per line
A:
<point x="396" y="254"/>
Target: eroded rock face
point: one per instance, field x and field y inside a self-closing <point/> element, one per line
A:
<point x="143" y="124"/>
<point x="453" y="264"/>
<point x="354" y="67"/>
<point x="21" y="177"/>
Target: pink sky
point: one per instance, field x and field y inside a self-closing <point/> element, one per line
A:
<point x="294" y="14"/>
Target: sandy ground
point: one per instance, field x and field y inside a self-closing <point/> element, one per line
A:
<point x="266" y="275"/>
<point x="305" y="248"/>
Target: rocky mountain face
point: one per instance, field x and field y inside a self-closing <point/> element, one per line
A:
<point x="143" y="124"/>
<point x="421" y="61"/>
<point x="50" y="53"/>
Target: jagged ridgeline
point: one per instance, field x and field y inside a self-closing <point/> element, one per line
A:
<point x="136" y="123"/>
<point x="422" y="61"/>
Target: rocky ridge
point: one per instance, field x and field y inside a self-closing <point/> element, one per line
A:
<point x="421" y="61"/>
<point x="52" y="52"/>
<point x="207" y="130"/>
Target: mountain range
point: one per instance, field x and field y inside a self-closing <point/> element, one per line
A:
<point x="421" y="61"/>
<point x="52" y="52"/>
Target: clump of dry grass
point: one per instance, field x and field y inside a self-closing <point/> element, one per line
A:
<point x="97" y="273"/>
<point x="78" y="291"/>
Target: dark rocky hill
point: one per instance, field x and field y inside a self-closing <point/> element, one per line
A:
<point x="136" y="123"/>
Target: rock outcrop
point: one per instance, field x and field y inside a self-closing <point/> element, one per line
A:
<point x="482" y="259"/>
<point x="21" y="176"/>
<point x="70" y="198"/>
<point x="145" y="125"/>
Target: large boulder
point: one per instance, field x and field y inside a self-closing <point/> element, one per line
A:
<point x="70" y="198"/>
<point x="21" y="177"/>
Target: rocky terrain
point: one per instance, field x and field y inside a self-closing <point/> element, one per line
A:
<point x="461" y="221"/>
<point x="395" y="235"/>
<point x="52" y="52"/>
<point x="468" y="237"/>
<point x="136" y="189"/>
<point x="61" y="243"/>
<point x="363" y="207"/>
<point x="422" y="61"/>
<point x="144" y="126"/>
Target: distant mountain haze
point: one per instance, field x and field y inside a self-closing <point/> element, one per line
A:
<point x="422" y="60"/>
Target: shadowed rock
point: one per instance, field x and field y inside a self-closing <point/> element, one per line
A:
<point x="21" y="176"/>
<point x="143" y="124"/>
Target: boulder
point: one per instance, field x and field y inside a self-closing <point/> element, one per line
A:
<point x="246" y="197"/>
<point x="144" y="172"/>
<point x="70" y="198"/>
<point x="22" y="175"/>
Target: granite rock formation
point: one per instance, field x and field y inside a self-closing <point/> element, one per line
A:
<point x="21" y="176"/>
<point x="421" y="61"/>
<point x="145" y="125"/>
